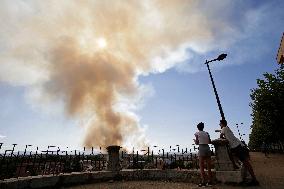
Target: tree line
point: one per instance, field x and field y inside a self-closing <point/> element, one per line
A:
<point x="267" y="103"/>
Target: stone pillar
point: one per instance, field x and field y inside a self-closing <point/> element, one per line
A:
<point x="222" y="156"/>
<point x="224" y="167"/>
<point x="113" y="158"/>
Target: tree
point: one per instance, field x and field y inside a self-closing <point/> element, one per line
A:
<point x="268" y="109"/>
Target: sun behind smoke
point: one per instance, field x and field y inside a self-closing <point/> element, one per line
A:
<point x="102" y="43"/>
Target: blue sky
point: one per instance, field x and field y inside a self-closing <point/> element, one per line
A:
<point x="181" y="95"/>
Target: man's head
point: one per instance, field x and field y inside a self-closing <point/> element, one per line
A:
<point x="200" y="126"/>
<point x="223" y="123"/>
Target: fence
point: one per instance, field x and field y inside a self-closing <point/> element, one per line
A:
<point x="270" y="148"/>
<point x="14" y="164"/>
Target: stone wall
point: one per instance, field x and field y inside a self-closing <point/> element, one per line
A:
<point x="53" y="181"/>
<point x="225" y="171"/>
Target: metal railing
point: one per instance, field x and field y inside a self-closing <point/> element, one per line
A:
<point x="14" y="164"/>
<point x="176" y="158"/>
<point x="270" y="148"/>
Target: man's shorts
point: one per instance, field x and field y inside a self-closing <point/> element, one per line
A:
<point x="241" y="152"/>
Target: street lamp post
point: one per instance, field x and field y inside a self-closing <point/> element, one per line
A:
<point x="220" y="57"/>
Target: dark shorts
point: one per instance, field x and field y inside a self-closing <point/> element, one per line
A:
<point x="204" y="150"/>
<point x="241" y="152"/>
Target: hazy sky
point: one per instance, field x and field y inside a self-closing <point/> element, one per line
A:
<point x="143" y="75"/>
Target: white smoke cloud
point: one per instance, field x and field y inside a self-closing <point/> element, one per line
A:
<point x="88" y="55"/>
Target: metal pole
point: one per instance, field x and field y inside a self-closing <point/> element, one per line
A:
<point x="215" y="91"/>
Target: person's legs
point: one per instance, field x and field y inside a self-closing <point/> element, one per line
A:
<point x="230" y="153"/>
<point x="201" y="166"/>
<point x="266" y="151"/>
<point x="249" y="168"/>
<point x="233" y="161"/>
<point x="243" y="155"/>
<point x="208" y="160"/>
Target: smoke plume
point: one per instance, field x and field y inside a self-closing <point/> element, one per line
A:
<point x="90" y="54"/>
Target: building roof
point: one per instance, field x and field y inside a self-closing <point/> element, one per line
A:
<point x="280" y="54"/>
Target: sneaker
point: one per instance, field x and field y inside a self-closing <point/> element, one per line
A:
<point x="209" y="184"/>
<point x="202" y="184"/>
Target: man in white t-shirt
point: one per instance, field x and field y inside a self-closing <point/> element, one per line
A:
<point x="238" y="149"/>
<point x="229" y="135"/>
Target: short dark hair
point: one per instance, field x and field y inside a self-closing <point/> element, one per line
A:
<point x="224" y="122"/>
<point x="200" y="126"/>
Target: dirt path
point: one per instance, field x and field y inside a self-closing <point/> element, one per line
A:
<point x="269" y="171"/>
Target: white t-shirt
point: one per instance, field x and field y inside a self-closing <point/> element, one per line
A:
<point x="203" y="137"/>
<point x="233" y="141"/>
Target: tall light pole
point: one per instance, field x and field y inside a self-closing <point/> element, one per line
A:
<point x="220" y="57"/>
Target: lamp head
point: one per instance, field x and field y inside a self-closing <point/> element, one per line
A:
<point x="221" y="57"/>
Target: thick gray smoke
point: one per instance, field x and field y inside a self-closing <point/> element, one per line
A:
<point x="89" y="54"/>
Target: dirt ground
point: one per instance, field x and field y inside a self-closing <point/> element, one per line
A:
<point x="269" y="171"/>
